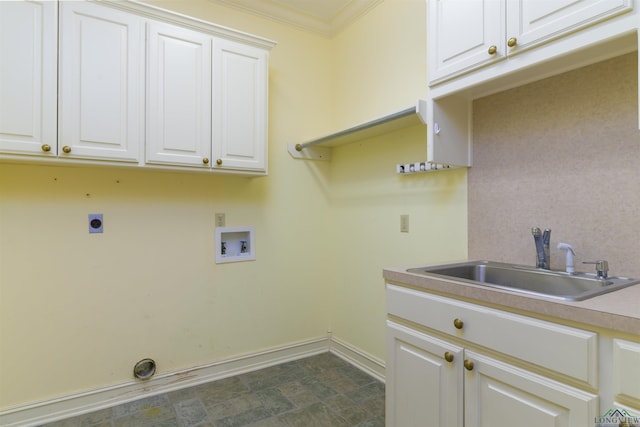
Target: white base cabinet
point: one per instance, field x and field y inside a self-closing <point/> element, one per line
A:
<point x="424" y="381"/>
<point x="626" y="376"/>
<point x="455" y="364"/>
<point x="498" y="394"/>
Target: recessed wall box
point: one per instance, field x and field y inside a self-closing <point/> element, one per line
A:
<point x="234" y="244"/>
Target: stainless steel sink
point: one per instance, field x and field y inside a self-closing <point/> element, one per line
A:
<point x="528" y="280"/>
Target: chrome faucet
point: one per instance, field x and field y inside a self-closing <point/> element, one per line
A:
<point x="542" y="241"/>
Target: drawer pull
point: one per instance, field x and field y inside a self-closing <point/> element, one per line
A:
<point x="448" y="357"/>
<point x="468" y="364"/>
<point x="458" y="323"/>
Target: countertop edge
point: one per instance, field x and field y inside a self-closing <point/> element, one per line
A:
<point x="600" y="311"/>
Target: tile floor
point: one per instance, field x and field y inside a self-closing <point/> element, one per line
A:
<point x="318" y="391"/>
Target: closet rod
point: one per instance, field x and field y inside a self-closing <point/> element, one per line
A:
<point x="364" y="126"/>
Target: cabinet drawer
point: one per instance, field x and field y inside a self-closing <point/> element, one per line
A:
<point x="563" y="349"/>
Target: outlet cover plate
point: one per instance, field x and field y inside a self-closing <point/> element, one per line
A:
<point x="95" y="223"/>
<point x="404" y="223"/>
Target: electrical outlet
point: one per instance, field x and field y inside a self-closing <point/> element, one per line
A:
<point x="220" y="220"/>
<point x="404" y="223"/>
<point x="95" y="223"/>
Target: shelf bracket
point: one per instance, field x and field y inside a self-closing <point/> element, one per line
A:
<point x="309" y="153"/>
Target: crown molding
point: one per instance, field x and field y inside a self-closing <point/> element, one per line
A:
<point x="279" y="12"/>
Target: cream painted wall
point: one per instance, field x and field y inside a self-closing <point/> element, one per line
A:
<point x="381" y="67"/>
<point x="381" y="62"/>
<point x="78" y="310"/>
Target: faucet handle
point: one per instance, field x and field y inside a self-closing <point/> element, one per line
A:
<point x="602" y="267"/>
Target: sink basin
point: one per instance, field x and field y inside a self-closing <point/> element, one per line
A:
<point x="528" y="280"/>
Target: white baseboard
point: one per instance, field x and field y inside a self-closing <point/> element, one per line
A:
<point x="82" y="403"/>
<point x="94" y="400"/>
<point x="369" y="364"/>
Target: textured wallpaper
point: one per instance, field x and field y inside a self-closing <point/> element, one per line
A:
<point x="562" y="153"/>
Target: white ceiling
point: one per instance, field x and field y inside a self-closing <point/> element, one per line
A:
<point x="326" y="17"/>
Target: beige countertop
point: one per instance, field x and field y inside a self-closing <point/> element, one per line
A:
<point x="619" y="310"/>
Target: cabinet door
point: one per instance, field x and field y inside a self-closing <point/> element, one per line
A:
<point x="101" y="82"/>
<point x="461" y="34"/>
<point x="178" y="96"/>
<point x="449" y="131"/>
<point x="626" y="374"/>
<point x="28" y="77"/>
<point x="532" y="22"/>
<point x="240" y="106"/>
<point x="498" y="394"/>
<point x="422" y="387"/>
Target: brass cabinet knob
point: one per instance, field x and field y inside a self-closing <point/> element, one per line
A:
<point x="448" y="357"/>
<point x="66" y="149"/>
<point x="205" y="160"/>
<point x="458" y="323"/>
<point x="492" y="50"/>
<point x="468" y="364"/>
<point x="46" y="148"/>
<point x="219" y="162"/>
<point x="512" y="42"/>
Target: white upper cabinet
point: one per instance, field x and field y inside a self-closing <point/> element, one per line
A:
<point x="480" y="47"/>
<point x="459" y="39"/>
<point x="101" y="82"/>
<point x="467" y="34"/>
<point x="28" y="77"/>
<point x="207" y="101"/>
<point x="240" y="94"/>
<point x="531" y="22"/>
<point x="178" y="96"/>
<point x="130" y="84"/>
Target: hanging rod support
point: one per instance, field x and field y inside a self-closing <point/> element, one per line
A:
<point x="397" y="120"/>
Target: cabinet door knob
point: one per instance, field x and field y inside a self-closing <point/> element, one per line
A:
<point x="46" y="148"/>
<point x="219" y="162"/>
<point x="492" y="50"/>
<point x="66" y="149"/>
<point x="205" y="160"/>
<point x="448" y="357"/>
<point x="468" y="364"/>
<point x="458" y="323"/>
<point x="512" y="42"/>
